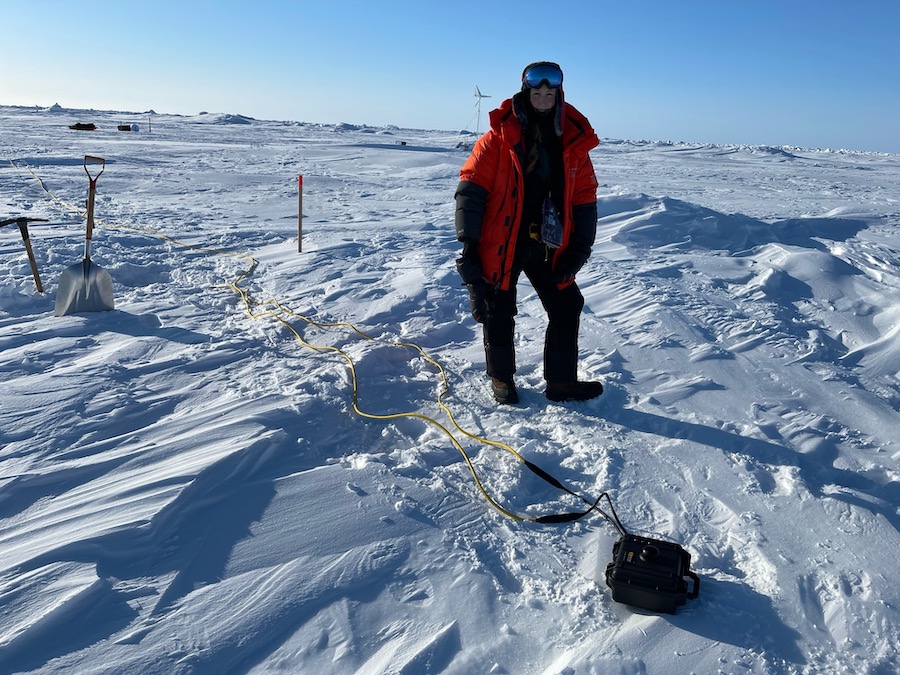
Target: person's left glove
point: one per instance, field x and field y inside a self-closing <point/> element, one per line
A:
<point x="568" y="265"/>
<point x="578" y="250"/>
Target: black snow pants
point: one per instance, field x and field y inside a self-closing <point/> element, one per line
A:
<point x="563" y="309"/>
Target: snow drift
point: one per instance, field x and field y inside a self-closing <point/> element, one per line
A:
<point x="186" y="489"/>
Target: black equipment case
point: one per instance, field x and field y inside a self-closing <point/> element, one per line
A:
<point x="650" y="573"/>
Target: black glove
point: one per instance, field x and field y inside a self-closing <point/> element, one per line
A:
<point x="478" y="292"/>
<point x="578" y="251"/>
<point x="568" y="265"/>
<point x="469" y="263"/>
<point x="469" y="268"/>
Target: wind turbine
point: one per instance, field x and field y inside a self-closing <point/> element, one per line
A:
<point x="478" y="97"/>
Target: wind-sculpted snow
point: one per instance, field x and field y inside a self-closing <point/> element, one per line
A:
<point x="672" y="223"/>
<point x="186" y="489"/>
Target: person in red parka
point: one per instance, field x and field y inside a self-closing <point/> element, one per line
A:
<point x="527" y="203"/>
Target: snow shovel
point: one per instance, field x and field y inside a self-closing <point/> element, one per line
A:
<point x="85" y="286"/>
<point x="23" y="228"/>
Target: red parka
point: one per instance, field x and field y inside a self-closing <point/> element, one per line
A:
<point x="489" y="197"/>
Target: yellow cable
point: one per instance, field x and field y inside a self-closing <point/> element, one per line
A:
<point x="249" y="303"/>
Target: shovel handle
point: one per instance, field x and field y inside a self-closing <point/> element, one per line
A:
<point x="91" y="159"/>
<point x="92" y="189"/>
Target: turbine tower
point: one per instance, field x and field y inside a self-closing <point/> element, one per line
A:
<point x="478" y="97"/>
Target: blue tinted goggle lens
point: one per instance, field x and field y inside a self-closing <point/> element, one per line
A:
<point x="534" y="77"/>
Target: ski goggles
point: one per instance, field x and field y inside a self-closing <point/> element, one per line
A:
<point x="543" y="72"/>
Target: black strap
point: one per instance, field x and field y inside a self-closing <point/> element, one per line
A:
<point x="696" y="591"/>
<point x="573" y="516"/>
<point x="550" y="479"/>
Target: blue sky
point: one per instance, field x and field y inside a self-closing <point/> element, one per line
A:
<point x="817" y="73"/>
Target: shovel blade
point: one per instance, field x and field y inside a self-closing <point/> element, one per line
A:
<point x="84" y="287"/>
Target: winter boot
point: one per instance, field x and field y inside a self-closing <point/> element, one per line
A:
<point x="504" y="390"/>
<point x="573" y="391"/>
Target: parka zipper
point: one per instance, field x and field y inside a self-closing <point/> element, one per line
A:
<point x="514" y="225"/>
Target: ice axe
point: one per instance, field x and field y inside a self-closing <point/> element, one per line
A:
<point x="22" y="222"/>
<point x="85" y="286"/>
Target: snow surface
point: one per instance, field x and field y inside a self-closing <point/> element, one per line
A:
<point x="185" y="488"/>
